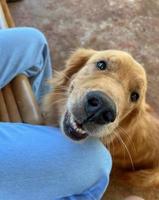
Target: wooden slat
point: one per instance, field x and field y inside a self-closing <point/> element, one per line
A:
<point x="3" y="109"/>
<point x="28" y="108"/>
<point x="11" y="104"/>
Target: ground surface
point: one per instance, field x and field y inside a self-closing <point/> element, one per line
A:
<point x="131" y="25"/>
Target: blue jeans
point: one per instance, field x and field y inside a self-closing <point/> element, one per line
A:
<point x="39" y="162"/>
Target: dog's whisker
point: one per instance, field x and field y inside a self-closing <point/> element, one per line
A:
<point x="113" y="146"/>
<point x="63" y="88"/>
<point x="106" y="143"/>
<point x="59" y="93"/>
<point x="123" y="132"/>
<point x="58" y="101"/>
<point x="128" y="152"/>
<point x="109" y="143"/>
<point x="121" y="145"/>
<point x="128" y="138"/>
<point x="61" y="72"/>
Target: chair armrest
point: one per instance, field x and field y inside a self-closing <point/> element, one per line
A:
<point x="11" y="105"/>
<point x="3" y="109"/>
<point x="24" y="97"/>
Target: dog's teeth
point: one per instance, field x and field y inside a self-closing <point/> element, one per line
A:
<point x="74" y="125"/>
<point x="83" y="132"/>
<point x="72" y="121"/>
<point x="79" y="130"/>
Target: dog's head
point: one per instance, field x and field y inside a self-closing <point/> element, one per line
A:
<point x="95" y="92"/>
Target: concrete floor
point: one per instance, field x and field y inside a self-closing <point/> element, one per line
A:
<point x="130" y="25"/>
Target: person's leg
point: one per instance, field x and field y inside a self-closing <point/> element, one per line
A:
<point x="38" y="162"/>
<point x="25" y="51"/>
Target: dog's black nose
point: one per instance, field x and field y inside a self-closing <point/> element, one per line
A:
<point x="99" y="108"/>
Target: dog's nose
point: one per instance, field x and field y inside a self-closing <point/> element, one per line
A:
<point x="99" y="108"/>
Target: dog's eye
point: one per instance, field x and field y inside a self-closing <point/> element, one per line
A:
<point x="102" y="65"/>
<point x="134" y="96"/>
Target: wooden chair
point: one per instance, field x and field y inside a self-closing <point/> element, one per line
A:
<point x="17" y="101"/>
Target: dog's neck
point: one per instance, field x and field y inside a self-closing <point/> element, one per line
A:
<point x="137" y="144"/>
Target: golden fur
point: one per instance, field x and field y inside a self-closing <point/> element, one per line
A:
<point x="133" y="138"/>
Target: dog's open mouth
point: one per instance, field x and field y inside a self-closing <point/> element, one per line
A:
<point x="73" y="129"/>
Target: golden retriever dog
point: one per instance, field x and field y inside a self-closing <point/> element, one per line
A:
<point x="102" y="94"/>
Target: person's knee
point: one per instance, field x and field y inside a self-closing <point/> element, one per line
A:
<point x="37" y="34"/>
<point x="94" y="166"/>
<point x="107" y="162"/>
<point x="103" y="163"/>
<point x="92" y="163"/>
<point x="101" y="158"/>
<point x="33" y="35"/>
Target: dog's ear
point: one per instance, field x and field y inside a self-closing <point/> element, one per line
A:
<point x="59" y="82"/>
<point x="75" y="62"/>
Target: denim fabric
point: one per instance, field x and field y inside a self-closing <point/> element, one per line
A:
<point x="25" y="51"/>
<point x="39" y="162"/>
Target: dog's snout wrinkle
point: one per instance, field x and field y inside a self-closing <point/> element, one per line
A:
<point x="99" y="108"/>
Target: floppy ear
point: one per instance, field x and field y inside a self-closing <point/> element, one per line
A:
<point x="55" y="99"/>
<point x="75" y="62"/>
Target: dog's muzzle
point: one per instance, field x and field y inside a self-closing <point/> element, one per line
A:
<point x="97" y="109"/>
<point x="72" y="129"/>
